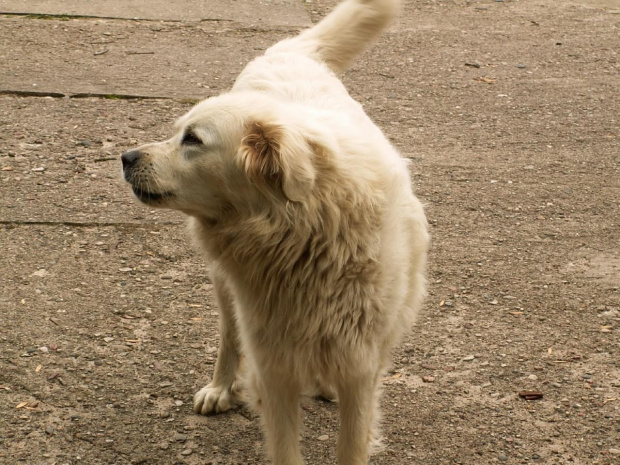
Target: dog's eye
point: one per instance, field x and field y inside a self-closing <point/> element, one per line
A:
<point x="191" y="139"/>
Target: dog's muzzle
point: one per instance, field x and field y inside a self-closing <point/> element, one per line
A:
<point x="130" y="160"/>
<point x="131" y="169"/>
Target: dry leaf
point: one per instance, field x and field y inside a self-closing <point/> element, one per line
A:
<point x="517" y="313"/>
<point x="531" y="395"/>
<point x="441" y="304"/>
<point x="194" y="305"/>
<point x="549" y="350"/>
<point x="196" y="319"/>
<point x="606" y="329"/>
<point x="487" y="80"/>
<point x="38" y="368"/>
<point x="133" y="341"/>
<point x="7" y="168"/>
<point x="21" y="405"/>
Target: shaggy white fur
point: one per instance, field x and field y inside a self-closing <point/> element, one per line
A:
<point x="317" y="243"/>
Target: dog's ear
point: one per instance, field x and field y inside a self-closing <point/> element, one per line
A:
<point x="278" y="156"/>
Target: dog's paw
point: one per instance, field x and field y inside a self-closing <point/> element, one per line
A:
<point x="215" y="399"/>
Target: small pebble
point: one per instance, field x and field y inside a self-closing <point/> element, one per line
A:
<point x="179" y="437"/>
<point x="186" y="452"/>
<point x="468" y="358"/>
<point x="614" y="451"/>
<point x="532" y="377"/>
<point x="502" y="458"/>
<point x="324" y="437"/>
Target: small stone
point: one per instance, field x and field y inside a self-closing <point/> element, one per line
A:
<point x="324" y="437"/>
<point x="556" y="385"/>
<point x="125" y="269"/>
<point x="39" y="169"/>
<point x="165" y="384"/>
<point x="108" y="339"/>
<point x="49" y="430"/>
<point x="186" y="452"/>
<point x="83" y="143"/>
<point x="502" y="458"/>
<point x="165" y="276"/>
<point x="468" y="358"/>
<point x="44" y="349"/>
<point x="521" y="66"/>
<point x="586" y="376"/>
<point x="164" y="445"/>
<point x="178" y="403"/>
<point x="180" y="437"/>
<point x="532" y="377"/>
<point x="428" y="379"/>
<point x="614" y="451"/>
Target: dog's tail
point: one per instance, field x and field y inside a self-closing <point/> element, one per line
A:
<point x="345" y="32"/>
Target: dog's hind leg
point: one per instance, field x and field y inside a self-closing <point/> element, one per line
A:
<point x="221" y="393"/>
<point x="358" y="413"/>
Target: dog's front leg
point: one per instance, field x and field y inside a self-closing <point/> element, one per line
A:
<point x="221" y="393"/>
<point x="358" y="412"/>
<point x="278" y="397"/>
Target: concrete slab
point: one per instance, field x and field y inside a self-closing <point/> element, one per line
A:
<point x="255" y="12"/>
<point x="125" y="58"/>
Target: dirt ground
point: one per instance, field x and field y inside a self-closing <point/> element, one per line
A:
<point x="509" y="112"/>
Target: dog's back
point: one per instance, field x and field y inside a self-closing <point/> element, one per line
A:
<point x="333" y="43"/>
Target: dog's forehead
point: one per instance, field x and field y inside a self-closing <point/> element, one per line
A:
<point x="182" y="121"/>
<point x="198" y="113"/>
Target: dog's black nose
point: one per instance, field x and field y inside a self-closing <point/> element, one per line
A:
<point x="130" y="158"/>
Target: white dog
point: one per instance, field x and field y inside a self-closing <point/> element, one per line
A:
<point x="305" y="210"/>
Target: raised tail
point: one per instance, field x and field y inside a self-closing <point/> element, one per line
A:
<point x="343" y="34"/>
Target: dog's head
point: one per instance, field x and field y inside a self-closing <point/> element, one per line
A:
<point x="231" y="151"/>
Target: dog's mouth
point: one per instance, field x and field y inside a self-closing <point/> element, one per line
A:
<point x="150" y="197"/>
